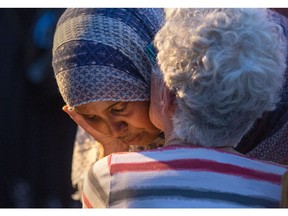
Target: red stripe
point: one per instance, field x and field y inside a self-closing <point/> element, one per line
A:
<point x="86" y="201"/>
<point x="196" y="164"/>
<point x="109" y="160"/>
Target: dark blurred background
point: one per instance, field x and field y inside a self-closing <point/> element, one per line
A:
<point x="36" y="136"/>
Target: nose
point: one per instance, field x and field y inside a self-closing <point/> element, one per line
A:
<point x="116" y="128"/>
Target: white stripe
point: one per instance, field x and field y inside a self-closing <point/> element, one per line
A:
<point x="93" y="198"/>
<point x="100" y="172"/>
<point x="196" y="180"/>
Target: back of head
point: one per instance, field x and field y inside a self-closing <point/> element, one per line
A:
<point x="226" y="68"/>
<point x="100" y="54"/>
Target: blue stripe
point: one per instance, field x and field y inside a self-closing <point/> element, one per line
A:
<point x="84" y="53"/>
<point x="186" y="194"/>
<point x="144" y="21"/>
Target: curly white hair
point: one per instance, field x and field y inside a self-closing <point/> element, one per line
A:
<point x="226" y="67"/>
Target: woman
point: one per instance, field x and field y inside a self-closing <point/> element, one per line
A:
<point x="102" y="64"/>
<point x="222" y="68"/>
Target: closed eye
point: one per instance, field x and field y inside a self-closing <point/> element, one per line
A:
<point x="119" y="108"/>
<point x="91" y="117"/>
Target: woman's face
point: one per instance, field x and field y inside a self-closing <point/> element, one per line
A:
<point x="126" y="121"/>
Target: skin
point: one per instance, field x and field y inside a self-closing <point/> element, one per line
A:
<point x="162" y="109"/>
<point x="156" y="100"/>
<point x="116" y="125"/>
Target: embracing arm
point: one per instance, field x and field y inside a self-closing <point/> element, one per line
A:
<point x="97" y="185"/>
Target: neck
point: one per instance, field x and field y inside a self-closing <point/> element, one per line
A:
<point x="174" y="140"/>
<point x="228" y="149"/>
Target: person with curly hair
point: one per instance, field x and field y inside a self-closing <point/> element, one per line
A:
<point x="268" y="137"/>
<point x="220" y="70"/>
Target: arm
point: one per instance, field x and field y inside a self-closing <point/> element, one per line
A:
<point x="97" y="185"/>
<point x="85" y="153"/>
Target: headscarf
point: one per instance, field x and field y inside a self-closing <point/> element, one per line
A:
<point x="102" y="54"/>
<point x="99" y="55"/>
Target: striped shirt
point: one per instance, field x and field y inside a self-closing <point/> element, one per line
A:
<point x="182" y="177"/>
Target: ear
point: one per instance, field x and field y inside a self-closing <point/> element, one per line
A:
<point x="168" y="100"/>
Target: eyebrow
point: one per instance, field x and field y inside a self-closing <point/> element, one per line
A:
<point x="112" y="105"/>
<point x="109" y="107"/>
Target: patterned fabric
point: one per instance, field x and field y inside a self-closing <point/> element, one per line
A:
<point x="275" y="148"/>
<point x="182" y="177"/>
<point x="101" y="54"/>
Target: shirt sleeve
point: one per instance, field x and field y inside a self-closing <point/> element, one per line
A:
<point x="97" y="185"/>
<point x="85" y="153"/>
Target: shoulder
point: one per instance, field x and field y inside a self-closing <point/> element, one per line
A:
<point x="96" y="188"/>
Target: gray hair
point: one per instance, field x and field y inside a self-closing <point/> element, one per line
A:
<point x="226" y="67"/>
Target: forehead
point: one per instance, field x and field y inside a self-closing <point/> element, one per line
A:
<point x="98" y="105"/>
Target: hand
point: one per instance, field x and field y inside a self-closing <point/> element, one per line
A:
<point x="109" y="143"/>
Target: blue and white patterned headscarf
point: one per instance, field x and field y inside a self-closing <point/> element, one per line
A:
<point x="101" y="54"/>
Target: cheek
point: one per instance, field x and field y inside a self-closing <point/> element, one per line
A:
<point x="153" y="116"/>
<point x="146" y="122"/>
<point x="99" y="126"/>
<point x="155" y="112"/>
<point x="140" y="118"/>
